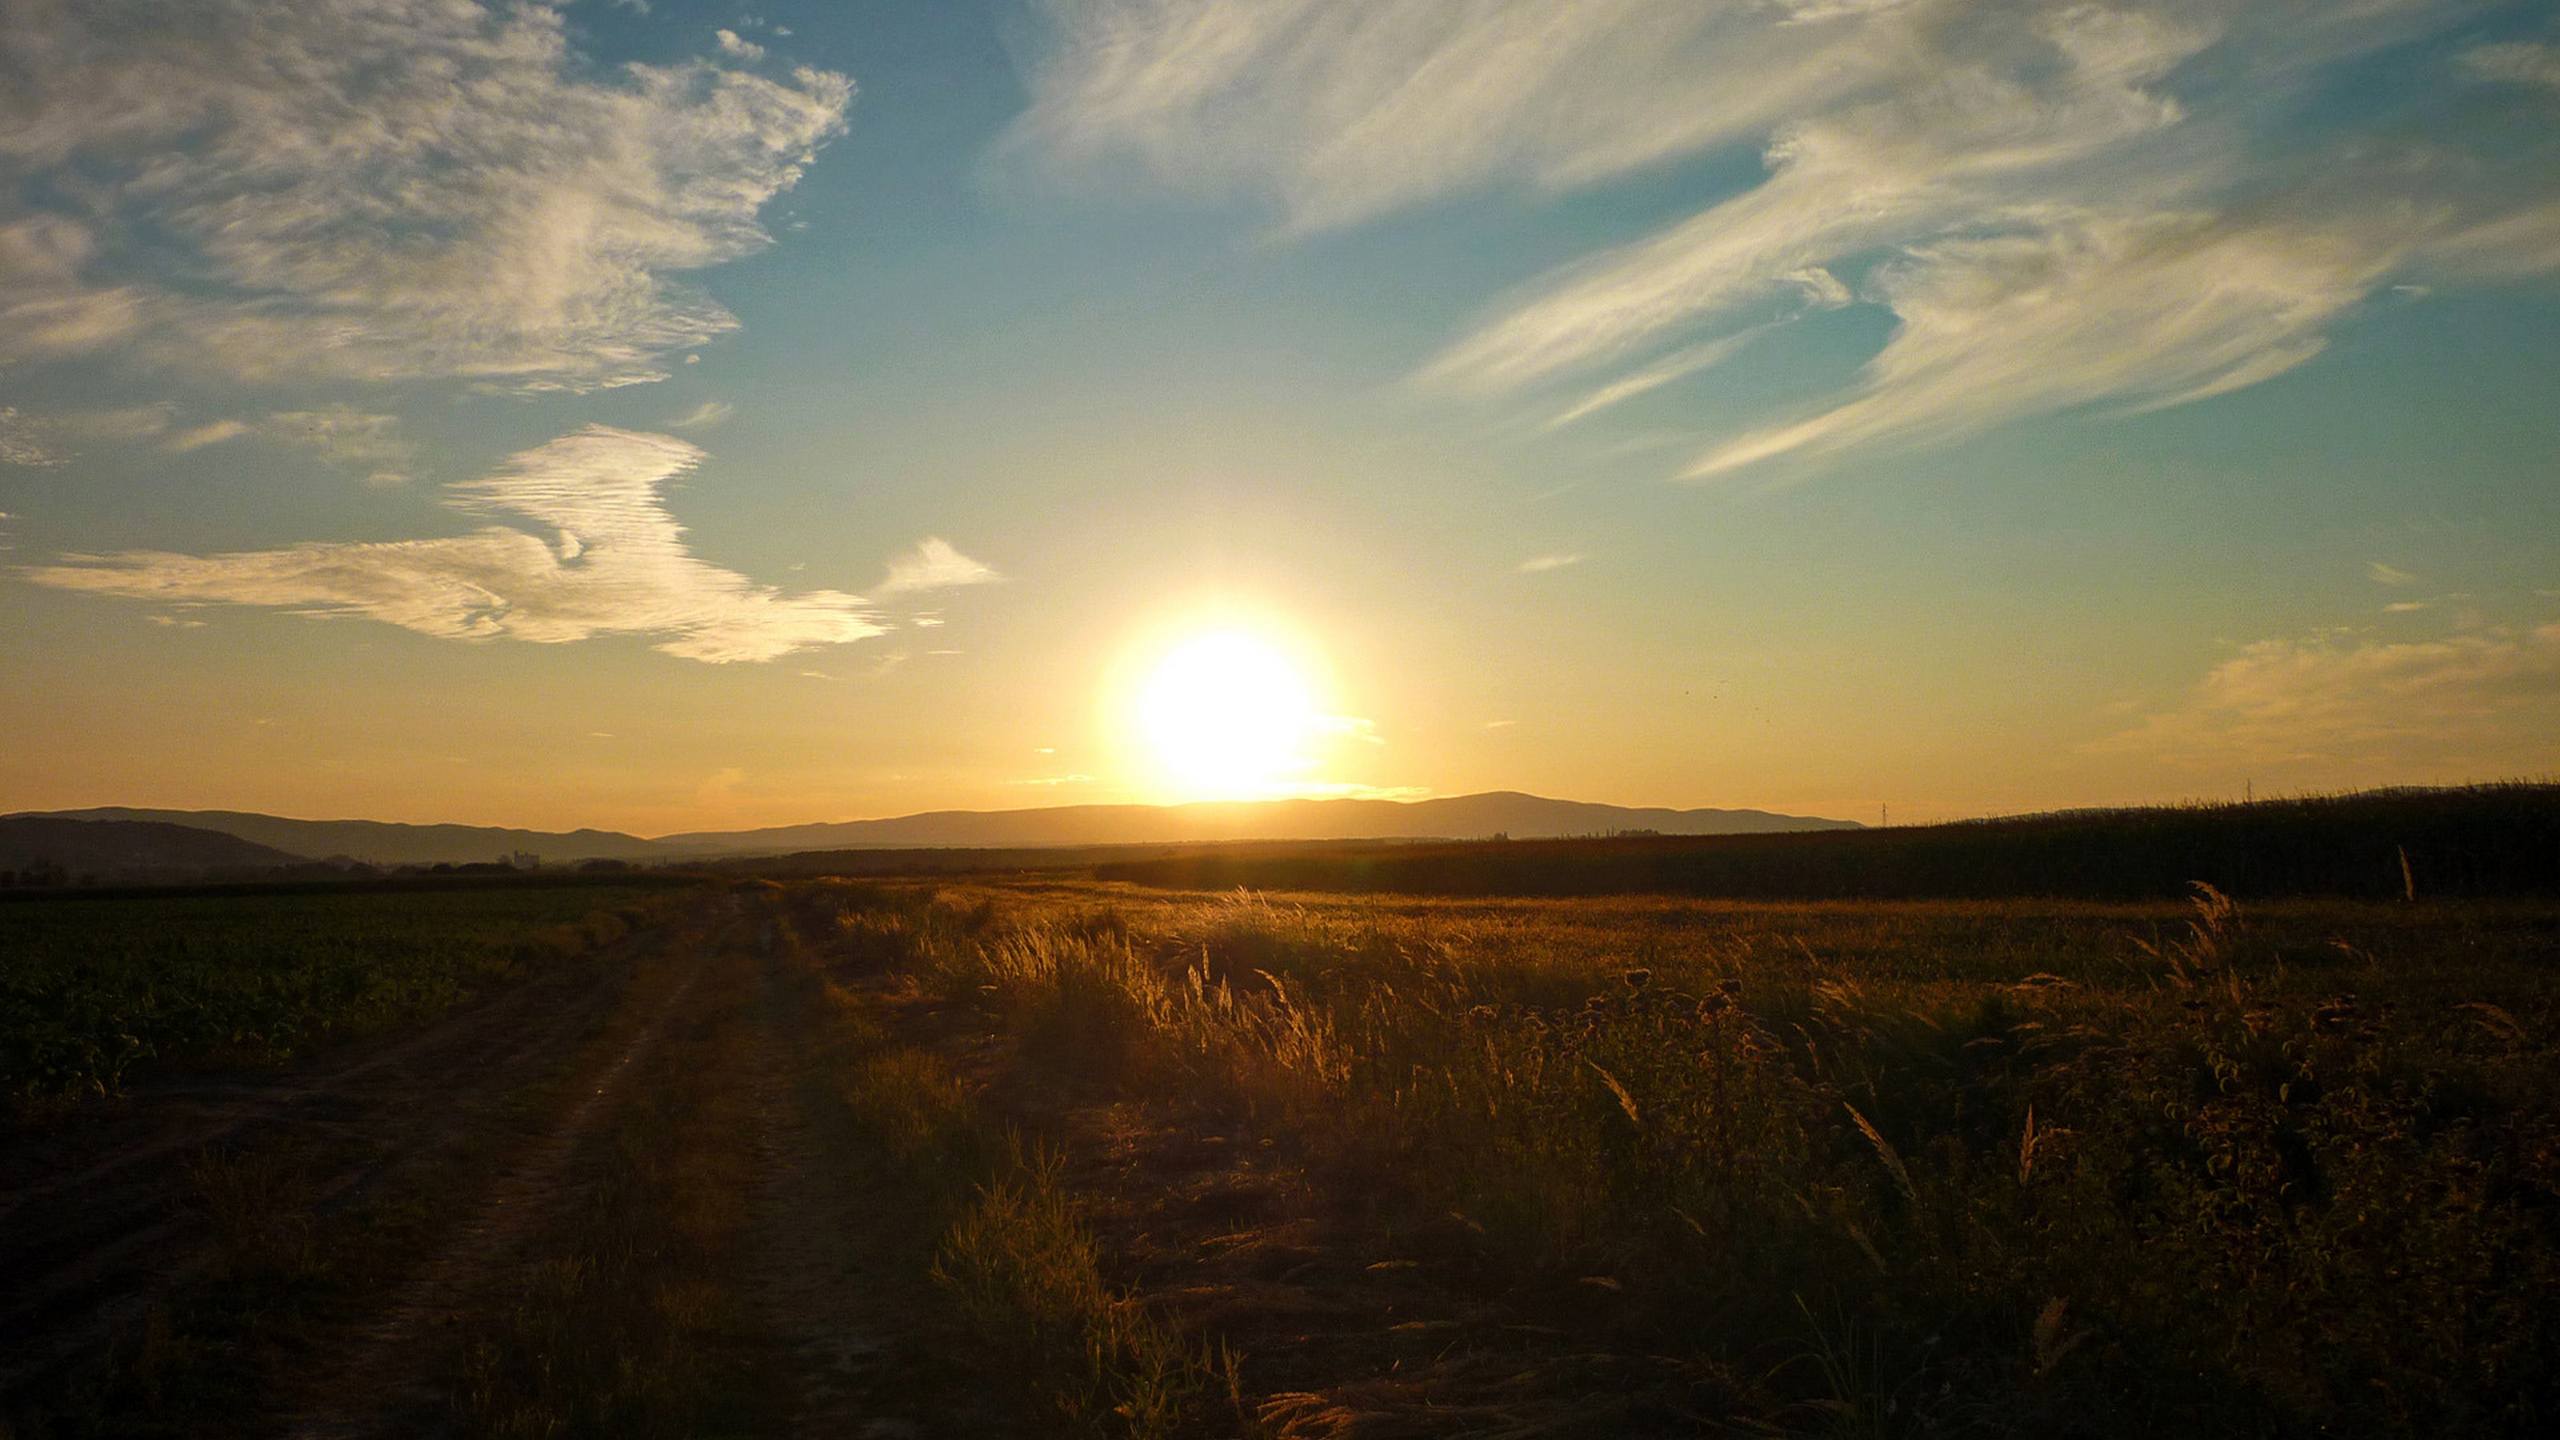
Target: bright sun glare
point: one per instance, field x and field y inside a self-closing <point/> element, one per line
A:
<point x="1227" y="715"/>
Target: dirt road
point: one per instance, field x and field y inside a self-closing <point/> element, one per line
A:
<point x="104" y="1214"/>
<point x="654" y="1108"/>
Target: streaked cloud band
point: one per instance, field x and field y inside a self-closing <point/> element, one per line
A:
<point x="602" y="557"/>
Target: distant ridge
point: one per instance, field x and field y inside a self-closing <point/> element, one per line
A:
<point x="1459" y="817"/>
<point x="384" y="842"/>
<point x="127" y="848"/>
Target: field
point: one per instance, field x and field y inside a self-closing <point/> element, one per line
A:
<point x="1653" y="1167"/>
<point x="2476" y="841"/>
<point x="1061" y="1157"/>
<point x="95" y="987"/>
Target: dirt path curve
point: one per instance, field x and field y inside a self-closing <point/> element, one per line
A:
<point x="96" y="1219"/>
<point x="814" y="1289"/>
<point x="379" y="1387"/>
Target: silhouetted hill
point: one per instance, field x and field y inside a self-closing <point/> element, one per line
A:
<point x="127" y="849"/>
<point x="1459" y="817"/>
<point x="383" y="842"/>
<point x="2385" y="844"/>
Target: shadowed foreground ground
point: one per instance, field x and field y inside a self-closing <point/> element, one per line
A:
<point x="829" y="1159"/>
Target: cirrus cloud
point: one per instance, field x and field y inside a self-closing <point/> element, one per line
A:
<point x="2519" y="63"/>
<point x="602" y="557"/>
<point x="705" y="416"/>
<point x="933" y="565"/>
<point x="375" y="190"/>
<point x="2479" y="702"/>
<point x="2112" y="206"/>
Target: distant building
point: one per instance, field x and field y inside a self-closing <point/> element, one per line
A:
<point x="524" y="860"/>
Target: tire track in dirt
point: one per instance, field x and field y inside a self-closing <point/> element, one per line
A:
<point x="98" y="1224"/>
<point x="387" y="1378"/>
<point x="810" y="1283"/>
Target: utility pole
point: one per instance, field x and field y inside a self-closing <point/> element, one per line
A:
<point x="1884" y="817"/>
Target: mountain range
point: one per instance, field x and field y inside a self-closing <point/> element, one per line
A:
<point x="127" y="848"/>
<point x="1450" y="818"/>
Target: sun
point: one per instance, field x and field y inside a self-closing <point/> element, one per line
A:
<point x="1227" y="715"/>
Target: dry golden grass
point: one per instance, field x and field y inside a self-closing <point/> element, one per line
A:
<point x="1914" y="1168"/>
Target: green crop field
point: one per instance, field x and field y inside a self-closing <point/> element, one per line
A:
<point x="94" y="988"/>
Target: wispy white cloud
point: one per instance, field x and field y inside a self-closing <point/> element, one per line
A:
<point x="2520" y="63"/>
<point x="123" y="425"/>
<point x="22" y="441"/>
<point x="2145" y="312"/>
<point x="602" y="557"/>
<point x="1678" y="365"/>
<point x="375" y="190"/>
<point x="1333" y="111"/>
<point x="2383" y="572"/>
<point x="47" y="440"/>
<point x="1349" y="727"/>
<point x="708" y="414"/>
<point x="2087" y="205"/>
<point x="213" y="432"/>
<point x="737" y="48"/>
<point x="341" y="434"/>
<point x="933" y="565"/>
<point x="1541" y="564"/>
<point x="346" y="436"/>
<point x="2483" y="702"/>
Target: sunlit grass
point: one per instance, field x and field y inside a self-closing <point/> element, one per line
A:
<point x="2033" y="1169"/>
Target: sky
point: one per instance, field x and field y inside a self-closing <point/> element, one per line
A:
<point x="679" y="416"/>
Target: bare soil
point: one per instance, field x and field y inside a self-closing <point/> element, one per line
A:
<point x="101" y="1211"/>
<point x="489" y="1139"/>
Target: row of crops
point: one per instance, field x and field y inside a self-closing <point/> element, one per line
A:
<point x="94" y="990"/>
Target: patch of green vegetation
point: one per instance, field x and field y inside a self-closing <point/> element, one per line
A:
<point x="93" y="987"/>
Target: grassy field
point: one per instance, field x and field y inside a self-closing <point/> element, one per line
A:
<point x="95" y="989"/>
<point x="1609" y="1167"/>
<point x="1055" y="1157"/>
<point x="2487" y="840"/>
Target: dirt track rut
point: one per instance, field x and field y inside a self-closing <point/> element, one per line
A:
<point x="495" y="1113"/>
<point x="377" y="1388"/>
<point x="99" y="1218"/>
<point x="812" y="1286"/>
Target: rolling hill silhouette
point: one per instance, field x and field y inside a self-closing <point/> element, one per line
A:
<point x="1458" y="817"/>
<point x="127" y="848"/>
<point x="383" y="842"/>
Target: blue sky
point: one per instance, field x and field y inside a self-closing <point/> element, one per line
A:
<point x="1803" y="403"/>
